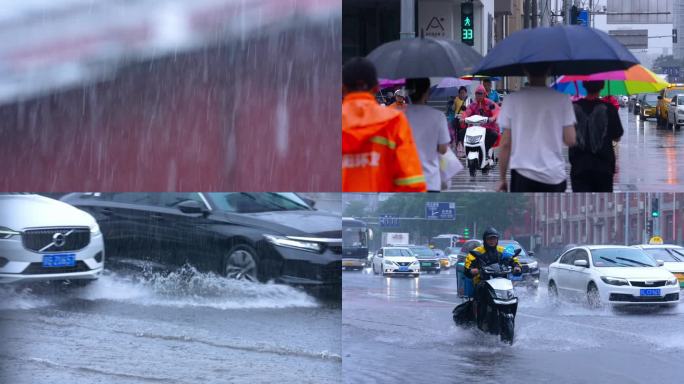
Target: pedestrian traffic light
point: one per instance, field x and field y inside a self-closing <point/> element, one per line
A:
<point x="466" y="233"/>
<point x="649" y="228"/>
<point x="574" y="15"/>
<point x="467" y="24"/>
<point x="655" y="211"/>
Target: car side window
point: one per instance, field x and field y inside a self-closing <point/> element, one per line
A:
<point x="567" y="258"/>
<point x="136" y="198"/>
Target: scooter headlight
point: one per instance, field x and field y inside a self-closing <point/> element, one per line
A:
<point x="473" y="139"/>
<point x="533" y="265"/>
<point x="504" y="294"/>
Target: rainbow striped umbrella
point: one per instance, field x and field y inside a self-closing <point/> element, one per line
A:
<point x="636" y="79"/>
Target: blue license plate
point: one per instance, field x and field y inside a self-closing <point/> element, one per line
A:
<point x="649" y="292"/>
<point x="403" y="269"/>
<point x="59" y="260"/>
<point x="515" y="278"/>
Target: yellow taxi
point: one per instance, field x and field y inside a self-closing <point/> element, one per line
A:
<point x="664" y="101"/>
<point x="646" y="105"/>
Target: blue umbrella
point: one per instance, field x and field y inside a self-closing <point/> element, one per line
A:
<point x="566" y="50"/>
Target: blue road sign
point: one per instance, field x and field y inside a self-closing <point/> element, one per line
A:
<point x="583" y="17"/>
<point x="388" y="221"/>
<point x="440" y="211"/>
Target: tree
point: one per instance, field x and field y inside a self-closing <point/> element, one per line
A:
<point x="355" y="208"/>
<point x="666" y="61"/>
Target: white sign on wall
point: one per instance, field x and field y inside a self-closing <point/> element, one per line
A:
<point x="435" y="19"/>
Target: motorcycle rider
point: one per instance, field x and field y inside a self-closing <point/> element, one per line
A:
<point x="490" y="252"/>
<point x="484" y="107"/>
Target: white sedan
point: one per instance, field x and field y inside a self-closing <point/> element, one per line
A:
<point x="396" y="261"/>
<point x="675" y="111"/>
<point x="672" y="255"/>
<point x="612" y="274"/>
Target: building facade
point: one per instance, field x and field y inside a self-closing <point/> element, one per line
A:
<point x="602" y="218"/>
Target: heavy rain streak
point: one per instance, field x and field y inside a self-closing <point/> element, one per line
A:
<point x="170" y="94"/>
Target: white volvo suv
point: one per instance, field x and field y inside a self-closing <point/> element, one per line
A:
<point x="45" y="239"/>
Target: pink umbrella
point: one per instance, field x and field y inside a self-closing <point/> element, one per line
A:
<point x="387" y="83"/>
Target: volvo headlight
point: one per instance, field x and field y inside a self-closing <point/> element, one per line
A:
<point x="673" y="281"/>
<point x="283" y="241"/>
<point x="6" y="233"/>
<point x="614" y="280"/>
<point x="95" y="230"/>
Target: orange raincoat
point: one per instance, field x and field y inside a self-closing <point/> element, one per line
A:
<point x="378" y="151"/>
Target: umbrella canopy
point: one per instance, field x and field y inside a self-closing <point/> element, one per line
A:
<point x="567" y="50"/>
<point x="636" y="79"/>
<point x="452" y="82"/>
<point x="387" y="83"/>
<point x="423" y="57"/>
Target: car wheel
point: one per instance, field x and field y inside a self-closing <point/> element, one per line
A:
<point x="593" y="297"/>
<point x="553" y="293"/>
<point x="241" y="263"/>
<point x="437" y="271"/>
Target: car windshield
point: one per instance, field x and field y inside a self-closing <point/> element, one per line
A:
<point x="241" y="202"/>
<point x="670" y="93"/>
<point x="354" y="237"/>
<point x="422" y="252"/>
<point x="397" y="252"/>
<point x="651" y="99"/>
<point x="621" y="257"/>
<point x="664" y="254"/>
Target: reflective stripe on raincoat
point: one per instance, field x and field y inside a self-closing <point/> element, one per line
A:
<point x="378" y="151"/>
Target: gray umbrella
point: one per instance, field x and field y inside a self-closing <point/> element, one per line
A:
<point x="424" y="57"/>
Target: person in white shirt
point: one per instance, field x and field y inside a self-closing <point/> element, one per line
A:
<point x="537" y="122"/>
<point x="430" y="131"/>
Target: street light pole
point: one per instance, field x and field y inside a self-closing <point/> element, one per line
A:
<point x="408" y="19"/>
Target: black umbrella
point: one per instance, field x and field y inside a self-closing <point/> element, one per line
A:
<point x="423" y="57"/>
<point x="567" y="50"/>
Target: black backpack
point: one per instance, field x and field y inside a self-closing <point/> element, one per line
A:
<point x="592" y="128"/>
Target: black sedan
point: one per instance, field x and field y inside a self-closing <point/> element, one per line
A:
<point x="250" y="236"/>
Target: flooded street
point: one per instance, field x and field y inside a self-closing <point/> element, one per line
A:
<point x="401" y="329"/>
<point x="647" y="160"/>
<point x="184" y="327"/>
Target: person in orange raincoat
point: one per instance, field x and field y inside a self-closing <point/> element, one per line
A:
<point x="378" y="151"/>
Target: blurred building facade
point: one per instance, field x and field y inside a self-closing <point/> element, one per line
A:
<point x="603" y="218"/>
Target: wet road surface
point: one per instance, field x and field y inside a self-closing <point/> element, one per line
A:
<point x="649" y="159"/>
<point x="400" y="330"/>
<point x="167" y="329"/>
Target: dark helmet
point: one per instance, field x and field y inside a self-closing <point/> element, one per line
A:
<point x="489" y="232"/>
